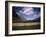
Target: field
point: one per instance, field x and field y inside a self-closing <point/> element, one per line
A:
<point x="25" y="26"/>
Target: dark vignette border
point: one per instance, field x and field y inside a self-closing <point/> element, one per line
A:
<point x="6" y="18"/>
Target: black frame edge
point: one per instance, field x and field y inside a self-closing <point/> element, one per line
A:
<point x="6" y="18"/>
<point x="44" y="18"/>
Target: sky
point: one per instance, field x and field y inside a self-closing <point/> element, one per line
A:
<point x="29" y="13"/>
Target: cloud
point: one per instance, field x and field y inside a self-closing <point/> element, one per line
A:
<point x="28" y="13"/>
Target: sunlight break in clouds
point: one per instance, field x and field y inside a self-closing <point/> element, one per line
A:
<point x="28" y="11"/>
